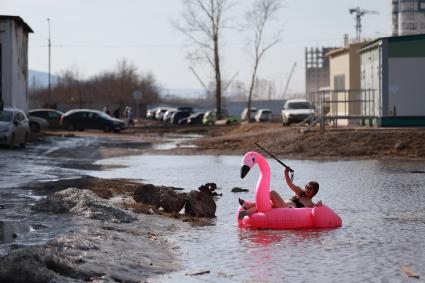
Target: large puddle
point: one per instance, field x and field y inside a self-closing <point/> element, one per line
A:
<point x="382" y="205"/>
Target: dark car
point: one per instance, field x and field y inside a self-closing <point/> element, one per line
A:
<point x="195" y="119"/>
<point x="81" y="119"/>
<point x="52" y="116"/>
<point x="179" y="115"/>
<point x="184" y="121"/>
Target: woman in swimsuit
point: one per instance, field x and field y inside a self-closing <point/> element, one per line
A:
<point x="302" y="198"/>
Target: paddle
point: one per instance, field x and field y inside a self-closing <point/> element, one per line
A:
<point x="274" y="157"/>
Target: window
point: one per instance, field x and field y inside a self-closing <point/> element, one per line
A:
<point x="41" y="114"/>
<point x="422" y="5"/>
<point x="410" y="16"/>
<point x="299" y="105"/>
<point x="409" y="26"/>
<point x="53" y="115"/>
<point x="408" y="6"/>
<point x="6" y="116"/>
<point x="339" y="82"/>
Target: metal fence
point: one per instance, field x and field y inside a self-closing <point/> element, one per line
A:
<point x="345" y="106"/>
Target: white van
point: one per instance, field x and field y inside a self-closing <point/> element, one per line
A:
<point x="296" y="110"/>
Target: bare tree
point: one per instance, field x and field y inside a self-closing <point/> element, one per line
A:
<point x="70" y="81"/>
<point x="203" y="21"/>
<point x="256" y="21"/>
<point x="107" y="87"/>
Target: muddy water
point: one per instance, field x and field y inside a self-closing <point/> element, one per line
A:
<point x="382" y="204"/>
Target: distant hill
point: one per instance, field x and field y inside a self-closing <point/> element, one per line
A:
<point x="38" y="79"/>
<point x="190" y="93"/>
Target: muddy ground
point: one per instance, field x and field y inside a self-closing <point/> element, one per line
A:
<point x="296" y="143"/>
<point x="286" y="142"/>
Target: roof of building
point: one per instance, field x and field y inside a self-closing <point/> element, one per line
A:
<point x="399" y="38"/>
<point x="337" y="51"/>
<point x="19" y="20"/>
<point x="355" y="46"/>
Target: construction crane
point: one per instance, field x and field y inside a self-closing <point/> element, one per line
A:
<point x="289" y="79"/>
<point x="359" y="13"/>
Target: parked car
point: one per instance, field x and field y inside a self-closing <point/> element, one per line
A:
<point x="263" y="115"/>
<point x="210" y="118"/>
<point x="14" y="127"/>
<point x="244" y="114"/>
<point x="159" y="114"/>
<point x="37" y="124"/>
<point x="81" y="119"/>
<point x="296" y="110"/>
<point x="177" y="116"/>
<point x="195" y="119"/>
<point x="151" y="113"/>
<point x="52" y="116"/>
<point x="168" y="115"/>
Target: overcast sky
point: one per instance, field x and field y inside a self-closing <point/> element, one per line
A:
<point x="93" y="35"/>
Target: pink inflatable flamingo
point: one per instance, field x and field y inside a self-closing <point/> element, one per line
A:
<point x="262" y="193"/>
<point x="280" y="218"/>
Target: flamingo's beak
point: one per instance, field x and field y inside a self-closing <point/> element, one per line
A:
<point x="244" y="170"/>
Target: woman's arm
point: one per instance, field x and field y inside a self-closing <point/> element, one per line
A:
<point x="297" y="190"/>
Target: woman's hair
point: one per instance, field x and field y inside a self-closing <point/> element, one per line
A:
<point x="315" y="186"/>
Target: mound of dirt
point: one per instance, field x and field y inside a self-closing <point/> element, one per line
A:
<point x="331" y="143"/>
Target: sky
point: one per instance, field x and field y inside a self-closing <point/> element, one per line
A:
<point x="92" y="36"/>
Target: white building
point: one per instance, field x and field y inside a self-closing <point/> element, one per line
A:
<point x="14" y="62"/>
<point x="408" y="17"/>
<point x="395" y="68"/>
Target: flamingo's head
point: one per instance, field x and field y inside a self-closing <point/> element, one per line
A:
<point x="249" y="160"/>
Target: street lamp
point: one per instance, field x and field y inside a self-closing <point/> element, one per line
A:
<point x="49" y="93"/>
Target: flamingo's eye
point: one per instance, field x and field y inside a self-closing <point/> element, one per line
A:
<point x="253" y="159"/>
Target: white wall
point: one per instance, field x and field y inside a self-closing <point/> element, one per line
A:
<point x="370" y="77"/>
<point x="15" y="64"/>
<point x="406" y="87"/>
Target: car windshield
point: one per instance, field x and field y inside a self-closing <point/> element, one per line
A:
<point x="299" y="105"/>
<point x="6" y="116"/>
<point x="103" y="114"/>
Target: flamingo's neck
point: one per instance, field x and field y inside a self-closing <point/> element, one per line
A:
<point x="262" y="196"/>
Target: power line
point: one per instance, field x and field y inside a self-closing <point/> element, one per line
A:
<point x="112" y="46"/>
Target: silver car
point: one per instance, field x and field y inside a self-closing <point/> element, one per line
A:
<point x="14" y="127"/>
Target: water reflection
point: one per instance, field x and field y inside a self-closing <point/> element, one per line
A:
<point x="260" y="237"/>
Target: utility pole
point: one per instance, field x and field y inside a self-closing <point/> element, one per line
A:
<point x="49" y="93"/>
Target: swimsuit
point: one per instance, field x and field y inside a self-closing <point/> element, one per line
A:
<point x="296" y="201"/>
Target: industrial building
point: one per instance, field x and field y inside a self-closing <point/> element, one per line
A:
<point x="14" y="62"/>
<point x="408" y="17"/>
<point x="316" y="70"/>
<point x="395" y="67"/>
